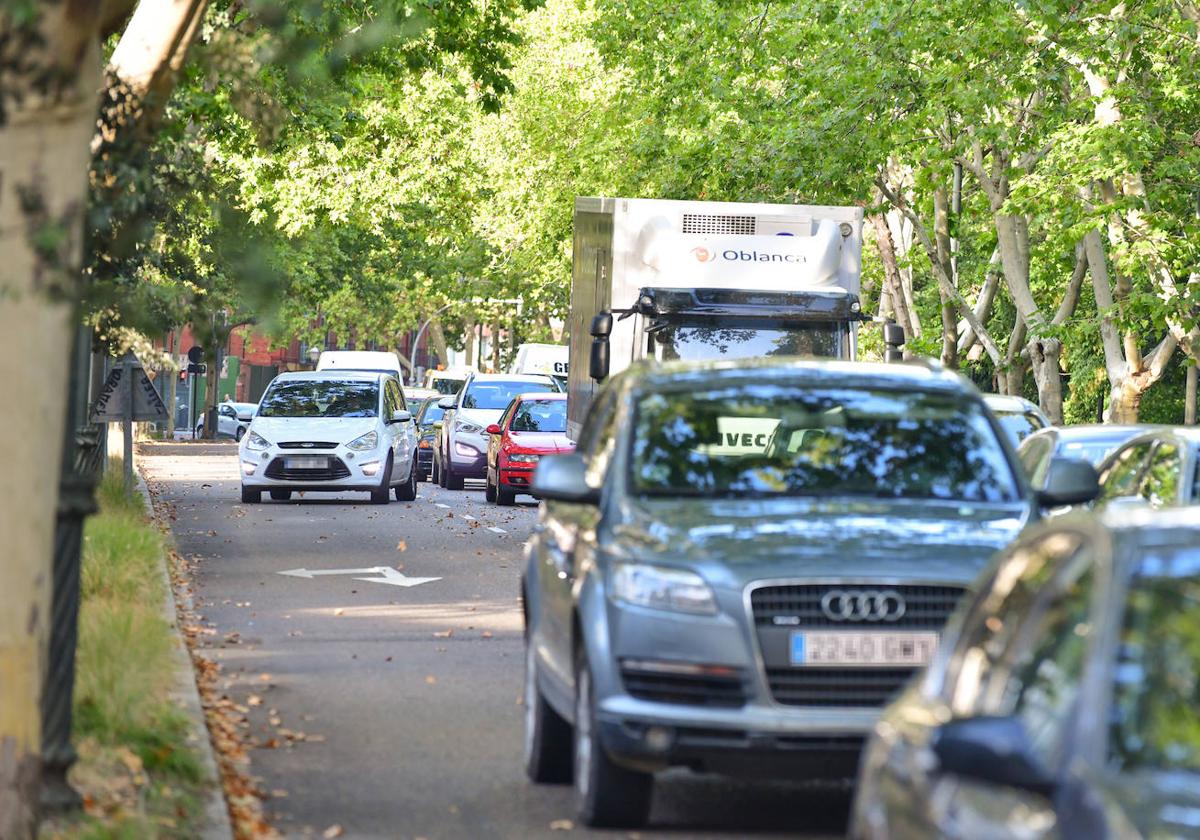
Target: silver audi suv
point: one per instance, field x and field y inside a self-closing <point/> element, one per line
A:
<point x="742" y="563"/>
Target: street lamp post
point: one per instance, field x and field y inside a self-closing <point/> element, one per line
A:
<point x="314" y="354"/>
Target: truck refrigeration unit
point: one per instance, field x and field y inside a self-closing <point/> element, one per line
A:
<point x="667" y="280"/>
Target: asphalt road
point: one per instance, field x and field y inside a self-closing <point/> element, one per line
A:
<point x="409" y="697"/>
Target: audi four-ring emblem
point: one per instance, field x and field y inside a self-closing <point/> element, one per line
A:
<point x="863" y="605"/>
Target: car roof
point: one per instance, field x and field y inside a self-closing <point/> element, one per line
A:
<point x="1088" y="431"/>
<point x="1010" y="402"/>
<point x="542" y="396"/>
<point x="1189" y="434"/>
<point x="332" y="374"/>
<point x="420" y="393"/>
<point x="926" y="376"/>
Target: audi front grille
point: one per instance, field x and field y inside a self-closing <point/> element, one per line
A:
<point x="781" y="609"/>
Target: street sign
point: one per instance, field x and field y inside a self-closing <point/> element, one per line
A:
<point x="128" y="385"/>
<point x="195" y="354"/>
<point x="387" y="574"/>
<point x="197" y="369"/>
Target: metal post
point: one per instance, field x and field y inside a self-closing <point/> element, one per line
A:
<point x="82" y="456"/>
<point x="1189" y="397"/>
<point x="192" y="405"/>
<point x="127" y="423"/>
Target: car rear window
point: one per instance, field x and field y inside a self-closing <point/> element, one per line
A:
<point x="497" y="394"/>
<point x="774" y="440"/>
<point x="320" y="398"/>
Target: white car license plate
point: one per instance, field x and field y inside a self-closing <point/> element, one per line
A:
<point x="857" y="649"/>
<point x="309" y="463"/>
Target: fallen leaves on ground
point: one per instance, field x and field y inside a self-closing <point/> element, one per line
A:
<point x="402" y="545"/>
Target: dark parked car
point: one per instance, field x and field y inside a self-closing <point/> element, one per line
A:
<point x="1089" y="442"/>
<point x="744" y="561"/>
<point x="533" y="425"/>
<point x="1159" y="468"/>
<point x="1064" y="700"/>
<point x="427" y="416"/>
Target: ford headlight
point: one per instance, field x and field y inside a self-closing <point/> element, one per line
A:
<point x="469" y="428"/>
<point x="257" y="442"/>
<point x="366" y="442"/>
<point x="661" y="588"/>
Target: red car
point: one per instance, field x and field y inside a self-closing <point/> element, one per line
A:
<point x="533" y="425"/>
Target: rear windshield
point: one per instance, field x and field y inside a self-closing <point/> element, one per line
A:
<point x="540" y="416"/>
<point x="768" y="440"/>
<point x="1019" y="426"/>
<point x="497" y="394"/>
<point x="433" y="413"/>
<point x="446" y="386"/>
<point x="320" y="398"/>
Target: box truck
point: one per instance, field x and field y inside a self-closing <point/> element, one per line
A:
<point x="664" y="279"/>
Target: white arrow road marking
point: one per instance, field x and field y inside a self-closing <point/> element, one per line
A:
<point x="388" y="575"/>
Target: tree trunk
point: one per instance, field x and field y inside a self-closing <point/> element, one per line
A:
<point x="1124" y="402"/>
<point x="43" y="196"/>
<point x="438" y="336"/>
<point x="944" y="256"/>
<point x="1189" y="397"/>
<point x="892" y="290"/>
<point x="1045" y="354"/>
<point x="1012" y="374"/>
<point x="983" y="304"/>
<point x="901" y="238"/>
<point x="173" y="384"/>
<point x="469" y="344"/>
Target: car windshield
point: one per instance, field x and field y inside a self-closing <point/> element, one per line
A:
<point x="497" y="394"/>
<point x="540" y="416"/>
<point x="413" y="404"/>
<point x="1157" y="673"/>
<point x="321" y="398"/>
<point x="1018" y="426"/>
<point x="433" y="413"/>
<point x="446" y="385"/>
<point x="743" y="339"/>
<point x="783" y="441"/>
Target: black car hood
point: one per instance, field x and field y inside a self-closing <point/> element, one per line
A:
<point x="736" y="541"/>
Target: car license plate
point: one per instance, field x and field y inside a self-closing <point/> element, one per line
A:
<point x="858" y="649"/>
<point x="309" y="463"/>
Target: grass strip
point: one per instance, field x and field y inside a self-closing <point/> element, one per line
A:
<point x="138" y="774"/>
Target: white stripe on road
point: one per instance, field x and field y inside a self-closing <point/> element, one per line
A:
<point x="496" y="530"/>
<point x="439" y="504"/>
<point x="469" y="517"/>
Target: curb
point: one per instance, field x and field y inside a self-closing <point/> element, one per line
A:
<point x="216" y="824"/>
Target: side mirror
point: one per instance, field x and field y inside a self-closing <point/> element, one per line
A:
<point x="446" y="403"/>
<point x="599" y="362"/>
<point x="561" y="478"/>
<point x="494" y="429"/>
<point x="995" y="750"/>
<point x="1069" y="481"/>
<point x="602" y="325"/>
<point x="401" y="416"/>
<point x="245" y="418"/>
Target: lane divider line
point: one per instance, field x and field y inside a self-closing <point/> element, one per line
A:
<point x="496" y="530"/>
<point x="439" y="504"/>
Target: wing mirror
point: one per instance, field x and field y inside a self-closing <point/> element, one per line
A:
<point x="1069" y="481"/>
<point x="446" y="403"/>
<point x="494" y="429"/>
<point x="401" y="416"/>
<point x="562" y="478"/>
<point x="599" y="362"/>
<point x="995" y="750"/>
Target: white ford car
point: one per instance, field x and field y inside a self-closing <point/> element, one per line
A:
<point x="330" y="431"/>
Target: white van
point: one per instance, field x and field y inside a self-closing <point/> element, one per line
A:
<point x="547" y="359"/>
<point x="370" y="361"/>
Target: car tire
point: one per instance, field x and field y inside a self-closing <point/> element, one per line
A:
<point x="383" y="494"/>
<point x="547" y="736"/>
<point x="453" y="482"/>
<point x="241" y="433"/>
<point x="606" y="794"/>
<point x="489" y="489"/>
<point x="281" y="495"/>
<point x="505" y="498"/>
<point x="407" y="491"/>
<point x="435" y="472"/>
<point x="251" y="497"/>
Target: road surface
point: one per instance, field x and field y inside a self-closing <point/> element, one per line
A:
<point x="409" y="696"/>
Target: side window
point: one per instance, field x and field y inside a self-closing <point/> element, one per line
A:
<point x="389" y="399"/>
<point x="1121" y="476"/>
<point x="506" y="418"/>
<point x="1160" y="482"/>
<point x="398" y="396"/>
<point x="1035" y="458"/>
<point x="227" y="411"/>
<point x="989" y="629"/>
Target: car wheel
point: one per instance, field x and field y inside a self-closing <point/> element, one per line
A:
<point x="281" y="495"/>
<point x="383" y="494"/>
<point x="489" y="489"/>
<point x="547" y="735"/>
<point x="407" y="491"/>
<point x="505" y="498"/>
<point x="606" y="794"/>
<point x="453" y="482"/>
<point x="435" y="473"/>
<point x="251" y="497"/>
<point x="241" y="433"/>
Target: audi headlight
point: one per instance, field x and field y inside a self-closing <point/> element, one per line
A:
<point x="364" y="443"/>
<point x="524" y="458"/>
<point x="661" y="588"/>
<point x="469" y="428"/>
<point x="257" y="442"/>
